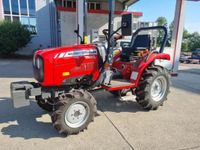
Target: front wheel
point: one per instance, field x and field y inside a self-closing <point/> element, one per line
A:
<point x="44" y="104"/>
<point x="153" y="88"/>
<point x="74" y="111"/>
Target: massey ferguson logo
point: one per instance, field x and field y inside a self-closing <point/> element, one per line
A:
<point x="76" y="53"/>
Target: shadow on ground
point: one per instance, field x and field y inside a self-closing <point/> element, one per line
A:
<point x="108" y="102"/>
<point x="23" y="122"/>
<point x="188" y="80"/>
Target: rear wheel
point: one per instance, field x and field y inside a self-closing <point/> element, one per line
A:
<point x="74" y="111"/>
<point x="153" y="88"/>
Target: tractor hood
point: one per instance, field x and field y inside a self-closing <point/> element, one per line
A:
<point x="67" y="51"/>
<point x="53" y="66"/>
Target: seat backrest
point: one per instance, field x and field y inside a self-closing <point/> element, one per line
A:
<point x="143" y="41"/>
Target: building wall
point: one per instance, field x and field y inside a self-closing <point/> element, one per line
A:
<point x="68" y="25"/>
<point x="43" y="39"/>
<point x="94" y="22"/>
<point x="118" y="6"/>
<point x="102" y="22"/>
<point x="1" y="10"/>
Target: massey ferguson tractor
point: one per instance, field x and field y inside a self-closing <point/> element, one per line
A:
<point x="66" y="75"/>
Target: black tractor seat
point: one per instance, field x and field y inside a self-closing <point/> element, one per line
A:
<point x="141" y="42"/>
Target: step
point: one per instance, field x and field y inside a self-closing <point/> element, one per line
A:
<point x="118" y="84"/>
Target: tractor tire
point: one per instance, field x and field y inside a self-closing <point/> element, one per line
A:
<point x="73" y="112"/>
<point x="44" y="105"/>
<point x="120" y="92"/>
<point x="153" y="88"/>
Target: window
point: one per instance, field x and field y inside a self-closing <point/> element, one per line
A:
<point x="69" y="3"/>
<point x="98" y="6"/>
<point x="15" y="18"/>
<point x="15" y="7"/>
<point x="30" y="23"/>
<point x="24" y="20"/>
<point x="23" y="11"/>
<point x="6" y="6"/>
<point x="23" y="7"/>
<point x="94" y="6"/>
<point x="31" y="7"/>
<point x="8" y="18"/>
<point x="74" y="4"/>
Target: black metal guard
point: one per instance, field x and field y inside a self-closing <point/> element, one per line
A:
<point x="164" y="41"/>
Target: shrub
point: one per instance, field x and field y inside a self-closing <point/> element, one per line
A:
<point x="13" y="36"/>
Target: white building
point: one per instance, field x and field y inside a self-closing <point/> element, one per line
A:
<point x="53" y="26"/>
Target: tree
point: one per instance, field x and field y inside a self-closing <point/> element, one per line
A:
<point x="191" y="41"/>
<point x="185" y="41"/>
<point x="171" y="28"/>
<point x="13" y="36"/>
<point x="161" y="21"/>
<point x="194" y="41"/>
<point x="185" y="46"/>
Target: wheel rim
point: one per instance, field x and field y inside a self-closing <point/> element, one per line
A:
<point x="158" y="88"/>
<point x="77" y="114"/>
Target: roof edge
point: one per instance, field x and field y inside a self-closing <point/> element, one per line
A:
<point x="135" y="14"/>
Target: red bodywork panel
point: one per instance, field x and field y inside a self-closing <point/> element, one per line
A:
<point x="126" y="68"/>
<point x="80" y="60"/>
<point x="68" y="62"/>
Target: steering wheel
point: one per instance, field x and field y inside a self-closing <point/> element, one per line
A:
<point x="117" y="35"/>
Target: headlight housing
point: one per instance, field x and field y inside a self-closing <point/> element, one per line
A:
<point x="38" y="65"/>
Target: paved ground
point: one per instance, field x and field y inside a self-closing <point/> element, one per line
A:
<point x="120" y="125"/>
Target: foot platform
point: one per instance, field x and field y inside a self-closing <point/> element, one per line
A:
<point x="118" y="84"/>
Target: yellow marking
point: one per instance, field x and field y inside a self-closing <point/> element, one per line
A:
<point x="86" y="40"/>
<point x="65" y="74"/>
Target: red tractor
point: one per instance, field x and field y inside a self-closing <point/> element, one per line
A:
<point x="66" y="75"/>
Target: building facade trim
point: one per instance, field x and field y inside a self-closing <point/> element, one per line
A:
<point x="135" y="14"/>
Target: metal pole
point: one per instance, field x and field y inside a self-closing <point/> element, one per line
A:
<point x="178" y="33"/>
<point x="81" y="16"/>
<point x="85" y="23"/>
<point x="110" y="31"/>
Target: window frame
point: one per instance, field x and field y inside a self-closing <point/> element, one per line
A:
<point x="64" y="3"/>
<point x="73" y="4"/>
<point x="95" y="5"/>
<point x="11" y="15"/>
<point x="4" y="8"/>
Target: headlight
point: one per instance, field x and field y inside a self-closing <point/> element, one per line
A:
<point x="34" y="57"/>
<point x="38" y="62"/>
<point x="38" y="68"/>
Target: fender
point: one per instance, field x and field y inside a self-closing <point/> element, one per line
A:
<point x="146" y="63"/>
